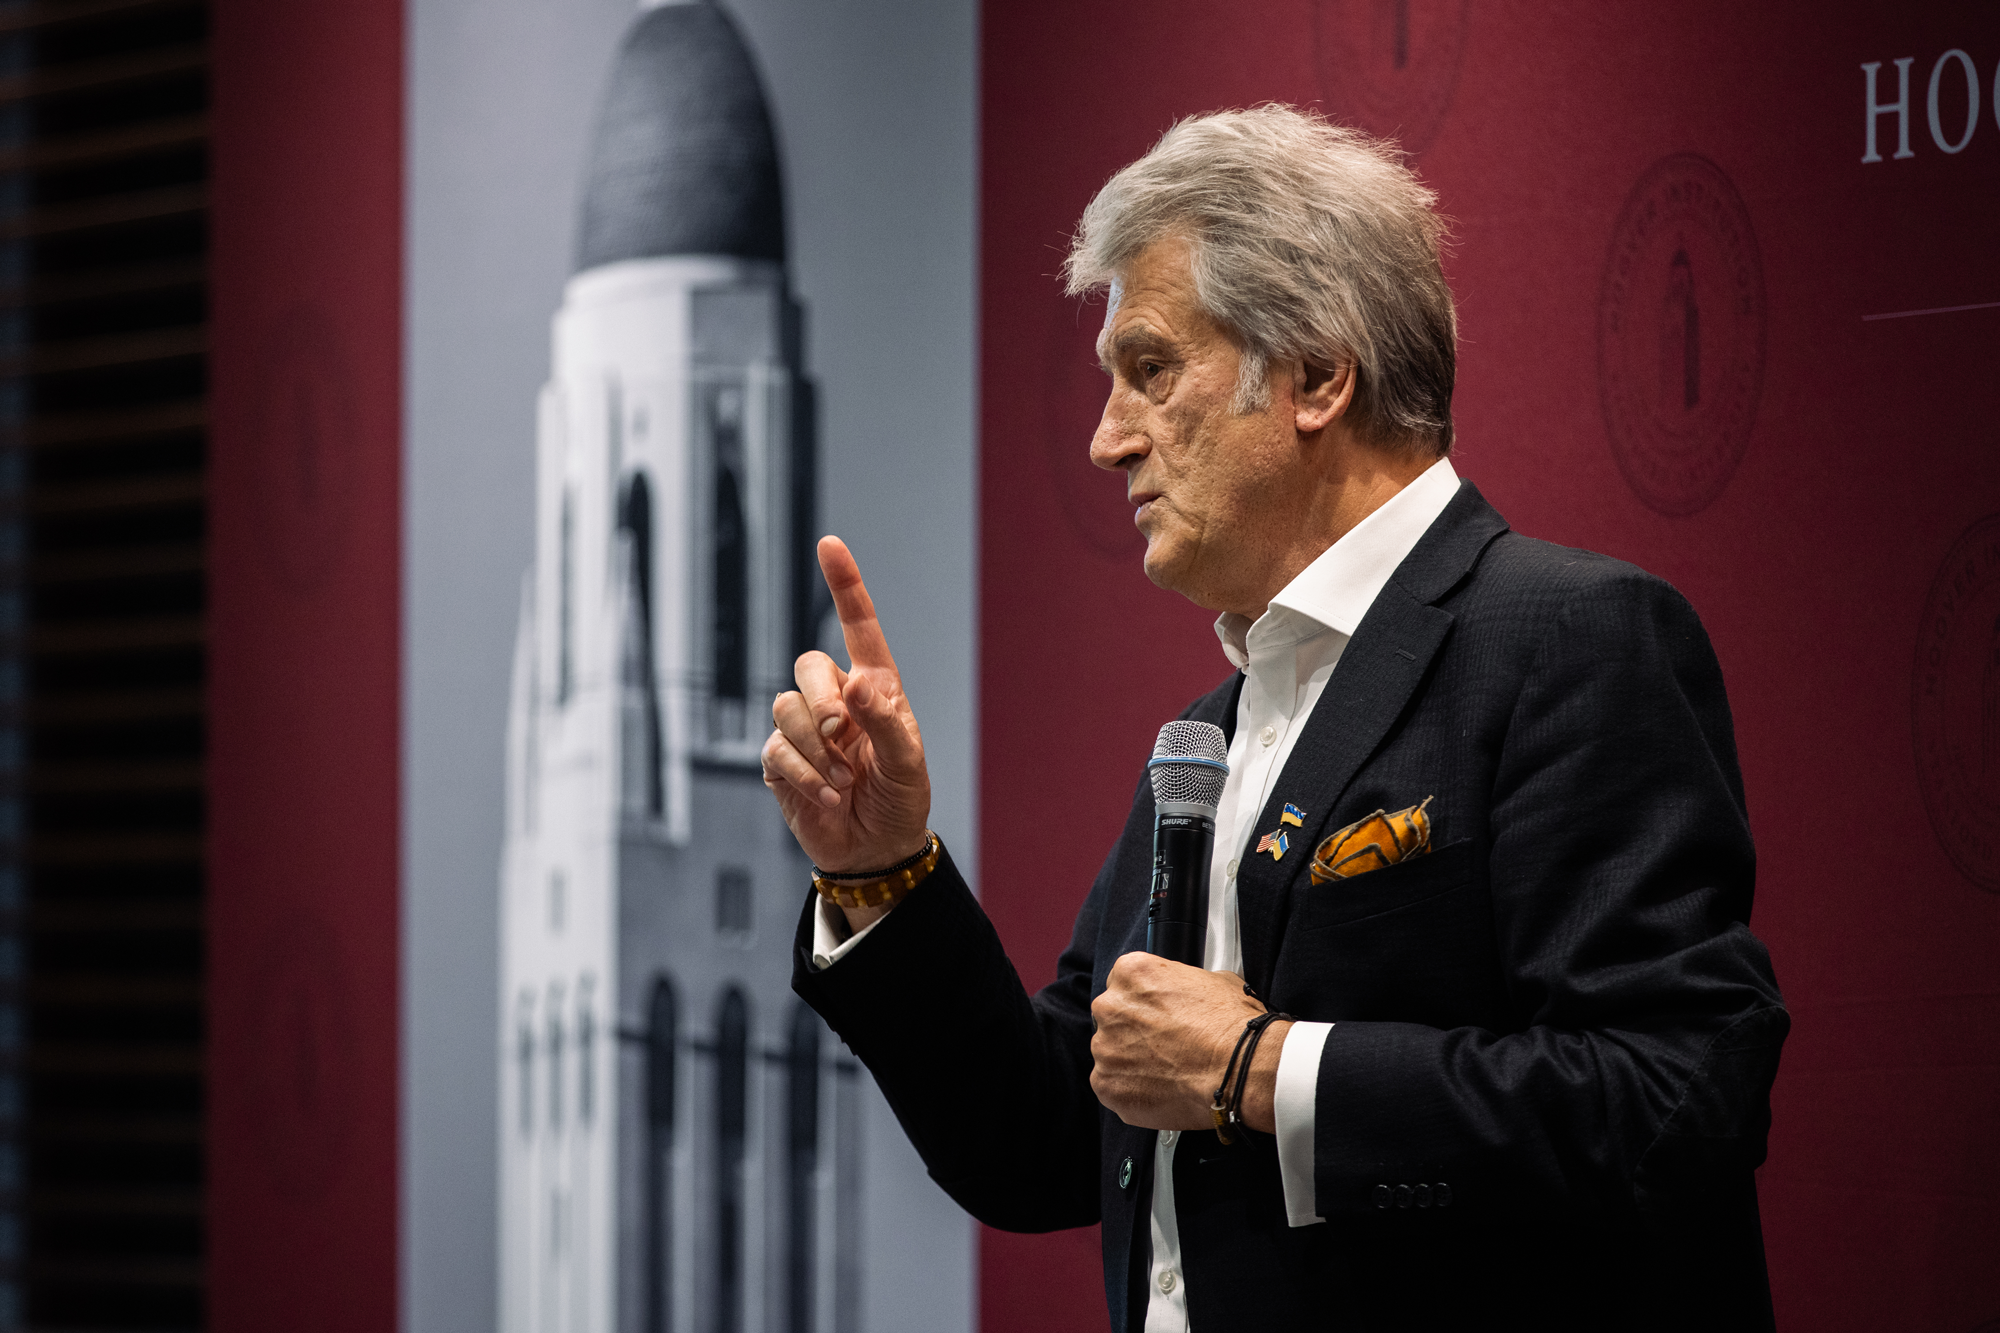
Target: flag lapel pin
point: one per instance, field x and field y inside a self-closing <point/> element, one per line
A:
<point x="1293" y="816"/>
<point x="1277" y="844"/>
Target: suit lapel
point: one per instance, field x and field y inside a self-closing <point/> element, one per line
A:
<point x="1380" y="670"/>
<point x="1377" y="674"/>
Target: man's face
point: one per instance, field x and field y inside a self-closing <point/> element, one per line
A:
<point x="1210" y="486"/>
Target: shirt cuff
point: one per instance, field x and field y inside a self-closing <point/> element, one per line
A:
<point x="1295" y="1104"/>
<point x="831" y="943"/>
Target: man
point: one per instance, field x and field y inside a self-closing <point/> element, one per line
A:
<point x="1524" y="1073"/>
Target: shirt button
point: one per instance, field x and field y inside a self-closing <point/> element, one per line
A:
<point x="1230" y="869"/>
<point x="1167" y="1281"/>
<point x="1168" y="1138"/>
<point x="1267" y="735"/>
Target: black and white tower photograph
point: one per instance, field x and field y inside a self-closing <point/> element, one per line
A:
<point x="680" y="1138"/>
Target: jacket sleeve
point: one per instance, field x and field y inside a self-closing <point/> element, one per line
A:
<point x="1620" y="866"/>
<point x="991" y="1085"/>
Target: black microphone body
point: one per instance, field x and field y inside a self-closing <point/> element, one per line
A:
<point x="1188" y="769"/>
<point x="1177" y="914"/>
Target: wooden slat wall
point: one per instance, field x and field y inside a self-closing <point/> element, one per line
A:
<point x="103" y="241"/>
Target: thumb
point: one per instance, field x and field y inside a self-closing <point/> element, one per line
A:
<point x="890" y="729"/>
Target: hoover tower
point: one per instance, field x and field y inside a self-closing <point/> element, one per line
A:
<point x="678" y="1134"/>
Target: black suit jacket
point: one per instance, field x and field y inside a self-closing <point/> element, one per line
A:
<point x="1548" y="1080"/>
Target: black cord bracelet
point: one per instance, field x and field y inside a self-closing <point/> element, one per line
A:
<point x="1229" y="1114"/>
<point x="1219" y="1106"/>
<point x="904" y="864"/>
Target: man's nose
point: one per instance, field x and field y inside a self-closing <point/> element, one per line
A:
<point x="1116" y="442"/>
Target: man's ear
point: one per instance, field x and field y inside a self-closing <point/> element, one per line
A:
<point x="1320" y="396"/>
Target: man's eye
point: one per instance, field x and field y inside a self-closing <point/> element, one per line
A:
<point x="1150" y="368"/>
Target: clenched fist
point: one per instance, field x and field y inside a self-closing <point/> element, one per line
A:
<point x="1164" y="1034"/>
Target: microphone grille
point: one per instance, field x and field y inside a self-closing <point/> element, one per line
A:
<point x="1190" y="763"/>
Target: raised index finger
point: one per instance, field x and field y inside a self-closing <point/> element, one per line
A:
<point x="866" y="646"/>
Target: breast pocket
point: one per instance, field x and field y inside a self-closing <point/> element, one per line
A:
<point x="1343" y="901"/>
<point x="1412" y="943"/>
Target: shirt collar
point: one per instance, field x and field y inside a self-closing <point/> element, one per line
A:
<point x="1335" y="590"/>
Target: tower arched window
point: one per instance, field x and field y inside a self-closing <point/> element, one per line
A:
<point x="729" y="554"/>
<point x="524" y="1059"/>
<point x="662" y="1087"/>
<point x="638" y="674"/>
<point x="554" y="1039"/>
<point x="586" y="1051"/>
<point x="566" y="599"/>
<point x="732" y="1123"/>
<point x="801" y="1166"/>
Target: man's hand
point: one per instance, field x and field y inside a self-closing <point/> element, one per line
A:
<point x="1164" y="1034"/>
<point x="846" y="761"/>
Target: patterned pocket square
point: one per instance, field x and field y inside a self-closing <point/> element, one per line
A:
<point x="1374" y="843"/>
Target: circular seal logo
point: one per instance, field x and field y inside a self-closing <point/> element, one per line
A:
<point x="1391" y="66"/>
<point x="1955" y="704"/>
<point x="1074" y="390"/>
<point x="305" y="464"/>
<point x="1680" y="335"/>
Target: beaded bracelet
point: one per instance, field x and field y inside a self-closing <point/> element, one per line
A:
<point x="879" y="888"/>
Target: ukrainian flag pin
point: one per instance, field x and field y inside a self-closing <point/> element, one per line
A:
<point x="1293" y="816"/>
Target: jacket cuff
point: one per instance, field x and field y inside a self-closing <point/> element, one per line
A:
<point x="921" y="948"/>
<point x="1395" y="1128"/>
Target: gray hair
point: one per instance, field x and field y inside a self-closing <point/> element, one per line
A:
<point x="1308" y="241"/>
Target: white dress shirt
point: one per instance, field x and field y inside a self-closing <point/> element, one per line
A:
<point x="1287" y="655"/>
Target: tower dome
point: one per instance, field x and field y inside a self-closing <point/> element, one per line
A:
<point x="684" y="161"/>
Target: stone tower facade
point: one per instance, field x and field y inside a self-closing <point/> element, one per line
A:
<point x="678" y="1134"/>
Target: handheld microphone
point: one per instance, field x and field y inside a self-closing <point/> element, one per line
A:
<point x="1188" y="768"/>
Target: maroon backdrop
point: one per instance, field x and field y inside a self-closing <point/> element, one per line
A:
<point x="1668" y="248"/>
<point x="304" y="624"/>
